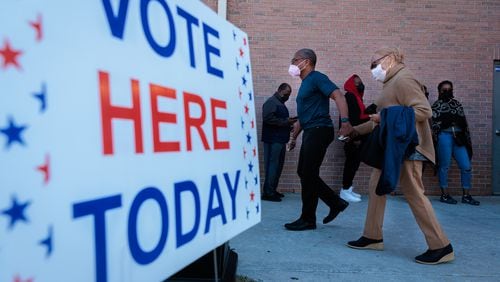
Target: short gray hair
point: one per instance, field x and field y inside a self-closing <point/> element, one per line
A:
<point x="308" y="54"/>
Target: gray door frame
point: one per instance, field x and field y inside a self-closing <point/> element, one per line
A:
<point x="495" y="166"/>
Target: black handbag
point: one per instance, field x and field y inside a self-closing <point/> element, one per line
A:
<point x="372" y="152"/>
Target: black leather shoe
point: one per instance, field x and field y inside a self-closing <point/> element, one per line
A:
<point x="271" y="198"/>
<point x="436" y="256"/>
<point x="300" y="225"/>
<point x="364" y="243"/>
<point x="334" y="211"/>
<point x="469" y="200"/>
<point x="280" y="194"/>
<point x="447" y="199"/>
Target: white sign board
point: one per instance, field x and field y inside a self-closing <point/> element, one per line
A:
<point x="128" y="144"/>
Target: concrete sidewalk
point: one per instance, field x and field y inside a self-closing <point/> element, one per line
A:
<point x="268" y="252"/>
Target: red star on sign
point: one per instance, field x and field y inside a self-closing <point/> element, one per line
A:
<point x="254" y="151"/>
<point x="37" y="25"/>
<point x="45" y="169"/>
<point x="245" y="41"/>
<point x="10" y="55"/>
<point x="252" y="123"/>
<point x="241" y="53"/>
<point x="246" y="109"/>
<point x="252" y="196"/>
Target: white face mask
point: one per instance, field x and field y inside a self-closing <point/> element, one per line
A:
<point x="379" y="73"/>
<point x="294" y="70"/>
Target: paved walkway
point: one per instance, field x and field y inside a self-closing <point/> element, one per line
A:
<point x="267" y="252"/>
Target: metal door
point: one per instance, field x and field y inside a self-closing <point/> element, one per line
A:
<point x="496" y="128"/>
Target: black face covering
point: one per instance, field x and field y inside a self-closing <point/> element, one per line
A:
<point x="446" y="94"/>
<point x="284" y="98"/>
<point x="361" y="87"/>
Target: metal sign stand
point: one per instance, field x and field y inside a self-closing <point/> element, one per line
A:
<point x="216" y="274"/>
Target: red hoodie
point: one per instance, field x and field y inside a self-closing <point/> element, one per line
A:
<point x="349" y="86"/>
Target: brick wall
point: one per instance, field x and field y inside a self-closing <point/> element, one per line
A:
<point x="454" y="40"/>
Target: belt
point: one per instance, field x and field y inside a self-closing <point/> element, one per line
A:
<point x="452" y="129"/>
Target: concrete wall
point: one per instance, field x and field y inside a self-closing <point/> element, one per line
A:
<point x="453" y="40"/>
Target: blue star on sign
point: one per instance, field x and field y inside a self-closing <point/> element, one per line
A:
<point x="237" y="64"/>
<point x="246" y="183"/>
<point x="42" y="97"/>
<point x="257" y="208"/>
<point x="250" y="96"/>
<point x="256" y="180"/>
<point x="250" y="167"/>
<point x="234" y="35"/>
<point x="242" y="123"/>
<point x="244" y="80"/>
<point x="248" y="68"/>
<point x="249" y="138"/>
<point x="47" y="242"/>
<point x="13" y="133"/>
<point x="16" y="212"/>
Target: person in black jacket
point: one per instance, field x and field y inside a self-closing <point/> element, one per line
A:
<point x="276" y="127"/>
<point x="355" y="90"/>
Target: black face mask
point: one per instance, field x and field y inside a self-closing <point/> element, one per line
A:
<point x="361" y="87"/>
<point x="284" y="98"/>
<point x="446" y="94"/>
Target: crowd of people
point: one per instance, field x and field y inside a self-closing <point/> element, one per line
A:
<point x="395" y="135"/>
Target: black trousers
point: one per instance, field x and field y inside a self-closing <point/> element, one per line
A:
<point x="351" y="164"/>
<point x="315" y="142"/>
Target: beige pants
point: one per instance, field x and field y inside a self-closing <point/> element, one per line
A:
<point x="413" y="189"/>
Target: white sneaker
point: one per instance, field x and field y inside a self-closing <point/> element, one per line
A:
<point x="347" y="196"/>
<point x="353" y="193"/>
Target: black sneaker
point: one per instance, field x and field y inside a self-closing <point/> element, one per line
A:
<point x="364" y="243"/>
<point x="300" y="225"/>
<point x="281" y="195"/>
<point x="468" y="200"/>
<point x="340" y="206"/>
<point x="271" y="198"/>
<point x="447" y="199"/>
<point x="436" y="256"/>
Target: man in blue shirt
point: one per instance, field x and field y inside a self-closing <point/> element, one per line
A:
<point x="313" y="108"/>
<point x="276" y="127"/>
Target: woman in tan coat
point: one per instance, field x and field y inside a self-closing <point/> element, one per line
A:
<point x="400" y="88"/>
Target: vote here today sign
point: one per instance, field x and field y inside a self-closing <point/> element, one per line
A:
<point x="128" y="144"/>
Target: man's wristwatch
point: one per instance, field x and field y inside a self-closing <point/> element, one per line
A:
<point x="344" y="119"/>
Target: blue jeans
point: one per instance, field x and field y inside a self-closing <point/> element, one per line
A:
<point x="445" y="149"/>
<point x="274" y="158"/>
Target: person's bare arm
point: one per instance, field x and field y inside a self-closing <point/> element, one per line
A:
<point x="293" y="139"/>
<point x="338" y="97"/>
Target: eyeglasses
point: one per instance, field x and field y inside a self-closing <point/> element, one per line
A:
<point x="294" y="60"/>
<point x="377" y="62"/>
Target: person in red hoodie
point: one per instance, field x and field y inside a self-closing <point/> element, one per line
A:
<point x="354" y="88"/>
